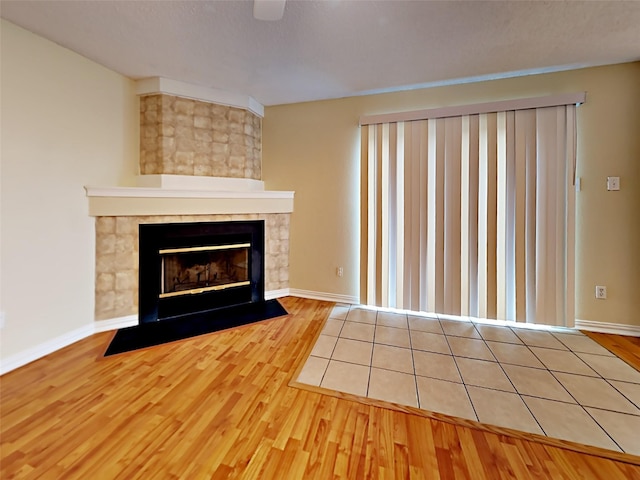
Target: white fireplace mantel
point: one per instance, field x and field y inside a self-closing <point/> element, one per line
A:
<point x="185" y="195"/>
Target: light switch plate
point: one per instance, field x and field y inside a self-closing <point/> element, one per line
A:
<point x="613" y="183"/>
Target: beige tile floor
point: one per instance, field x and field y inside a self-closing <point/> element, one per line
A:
<point x="555" y="382"/>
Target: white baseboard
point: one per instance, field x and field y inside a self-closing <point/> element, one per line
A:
<point x="115" y="323"/>
<point x="50" y="346"/>
<point x="605" y="327"/>
<point x="327" y="297"/>
<point x="271" y="294"/>
<point x="34" y="353"/>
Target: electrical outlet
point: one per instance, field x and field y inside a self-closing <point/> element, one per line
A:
<point x="339" y="271"/>
<point x="601" y="292"/>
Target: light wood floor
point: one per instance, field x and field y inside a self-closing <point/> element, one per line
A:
<point x="219" y="406"/>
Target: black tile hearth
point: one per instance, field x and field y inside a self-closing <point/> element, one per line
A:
<point x="149" y="334"/>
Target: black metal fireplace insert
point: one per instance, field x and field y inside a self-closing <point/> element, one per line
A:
<point x="188" y="269"/>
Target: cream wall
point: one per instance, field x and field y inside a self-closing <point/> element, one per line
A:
<point x="312" y="148"/>
<point x="66" y="122"/>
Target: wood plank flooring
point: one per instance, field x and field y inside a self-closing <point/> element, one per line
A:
<point x="219" y="406"/>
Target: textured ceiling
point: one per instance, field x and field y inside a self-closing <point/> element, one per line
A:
<point x="335" y="48"/>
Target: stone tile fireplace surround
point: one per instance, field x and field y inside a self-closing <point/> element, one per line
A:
<point x="199" y="162"/>
<point x="117" y="257"/>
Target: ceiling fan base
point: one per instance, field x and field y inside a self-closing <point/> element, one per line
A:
<point x="268" y="10"/>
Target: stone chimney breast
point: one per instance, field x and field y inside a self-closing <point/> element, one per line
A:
<point x="182" y="136"/>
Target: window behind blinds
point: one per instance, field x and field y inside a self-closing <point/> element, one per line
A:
<point x="471" y="215"/>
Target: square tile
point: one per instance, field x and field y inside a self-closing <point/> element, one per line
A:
<point x="430" y="342"/>
<point x="470" y="348"/>
<point x="436" y="365"/>
<point x="514" y="354"/>
<point x="502" y="409"/>
<point x="629" y="390"/>
<point x="425" y="324"/>
<point x="459" y="328"/>
<point x="563" y="361"/>
<point x="581" y="343"/>
<point x="537" y="383"/>
<point x="444" y="397"/>
<point x="566" y="330"/>
<point x="332" y="327"/>
<point x="324" y="346"/>
<point x="595" y="392"/>
<point x="498" y="334"/>
<point x="622" y="428"/>
<point x="339" y="311"/>
<point x="393" y="387"/>
<point x="538" y="338"/>
<point x="346" y="377"/>
<point x="392" y="358"/>
<point x="358" y="331"/>
<point x="392" y="336"/>
<point x="612" y="368"/>
<point x="568" y="422"/>
<point x="361" y="315"/>
<point x="482" y="373"/>
<point x="353" y="351"/>
<point x="313" y="371"/>
<point x="388" y="319"/>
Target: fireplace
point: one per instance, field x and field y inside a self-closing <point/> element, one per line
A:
<point x="187" y="269"/>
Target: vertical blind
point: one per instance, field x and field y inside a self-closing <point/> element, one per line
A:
<point x="471" y="215"/>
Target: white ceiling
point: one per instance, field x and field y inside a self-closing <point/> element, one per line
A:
<point x="335" y="48"/>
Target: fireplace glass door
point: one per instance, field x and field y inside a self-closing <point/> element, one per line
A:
<point x="194" y="270"/>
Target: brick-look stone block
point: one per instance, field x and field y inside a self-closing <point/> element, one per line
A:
<point x="106" y="243"/>
<point x="172" y="127"/>
<point x="187" y="132"/>
<point x="125" y="243"/>
<point x="203" y="135"/>
<point x="105" y="262"/>
<point x="202" y="109"/>
<point x="237" y="116"/>
<point x="184" y="106"/>
<point x="105" y="302"/>
<point x="150" y="117"/>
<point x="126" y="226"/>
<point x="168" y="130"/>
<point x="202" y="122"/>
<point x="105" y="282"/>
<point x="125" y="280"/>
<point x="105" y="225"/>
<point x="220" y="137"/>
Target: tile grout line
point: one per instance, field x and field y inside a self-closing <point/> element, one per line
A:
<point x="413" y="361"/>
<point x="637" y="405"/>
<point x="446" y="338"/>
<point x="601" y="427"/>
<point x="373" y="344"/>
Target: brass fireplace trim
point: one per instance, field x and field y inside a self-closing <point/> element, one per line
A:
<point x="203" y="249"/>
<point x="194" y="291"/>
